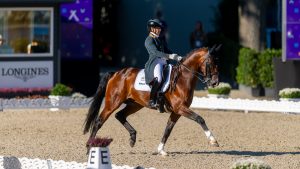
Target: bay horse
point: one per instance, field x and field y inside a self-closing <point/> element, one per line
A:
<point x="117" y="88"/>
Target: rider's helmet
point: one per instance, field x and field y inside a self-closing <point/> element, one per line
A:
<point x="154" y="23"/>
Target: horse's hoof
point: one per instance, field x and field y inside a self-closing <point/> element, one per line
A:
<point x="214" y="143"/>
<point x="131" y="142"/>
<point x="162" y="153"/>
<point x="87" y="150"/>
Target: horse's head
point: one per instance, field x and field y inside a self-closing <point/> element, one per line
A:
<point x="204" y="62"/>
<point x="211" y="67"/>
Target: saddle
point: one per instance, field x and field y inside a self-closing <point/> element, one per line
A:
<point x="140" y="84"/>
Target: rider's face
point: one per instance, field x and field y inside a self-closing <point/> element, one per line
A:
<point x="156" y="30"/>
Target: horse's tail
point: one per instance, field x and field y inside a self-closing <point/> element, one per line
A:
<point x="96" y="102"/>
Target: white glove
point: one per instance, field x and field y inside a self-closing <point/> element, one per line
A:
<point x="174" y="56"/>
<point x="179" y="58"/>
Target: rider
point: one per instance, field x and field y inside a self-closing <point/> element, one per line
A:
<point x="158" y="56"/>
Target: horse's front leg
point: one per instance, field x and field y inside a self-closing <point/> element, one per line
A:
<point x="171" y="122"/>
<point x="186" y="112"/>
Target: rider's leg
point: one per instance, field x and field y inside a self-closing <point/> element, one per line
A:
<point x="155" y="85"/>
<point x="158" y="71"/>
<point x="153" y="93"/>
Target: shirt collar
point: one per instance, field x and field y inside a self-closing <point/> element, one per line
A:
<point x="153" y="35"/>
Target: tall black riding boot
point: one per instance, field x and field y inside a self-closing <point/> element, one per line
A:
<point x="153" y="93"/>
<point x="161" y="102"/>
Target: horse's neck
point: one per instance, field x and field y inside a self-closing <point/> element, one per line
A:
<point x="187" y="76"/>
<point x="192" y="66"/>
<point x="190" y="63"/>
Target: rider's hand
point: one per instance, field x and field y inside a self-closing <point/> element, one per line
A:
<point x="174" y="56"/>
<point x="179" y="58"/>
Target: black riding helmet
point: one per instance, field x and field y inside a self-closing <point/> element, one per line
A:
<point x="154" y="23"/>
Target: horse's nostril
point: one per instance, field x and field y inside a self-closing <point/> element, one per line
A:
<point x="215" y="83"/>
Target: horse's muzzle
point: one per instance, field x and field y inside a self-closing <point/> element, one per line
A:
<point x="214" y="81"/>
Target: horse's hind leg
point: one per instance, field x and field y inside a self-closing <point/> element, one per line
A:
<point x="186" y="112"/>
<point x="130" y="108"/>
<point x="171" y="123"/>
<point x="108" y="109"/>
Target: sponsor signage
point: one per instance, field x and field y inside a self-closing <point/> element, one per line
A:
<point x="26" y="74"/>
<point x="291" y="30"/>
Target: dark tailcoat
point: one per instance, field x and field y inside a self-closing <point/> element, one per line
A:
<point x="157" y="49"/>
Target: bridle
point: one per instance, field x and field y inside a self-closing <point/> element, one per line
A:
<point x="208" y="75"/>
<point x="203" y="78"/>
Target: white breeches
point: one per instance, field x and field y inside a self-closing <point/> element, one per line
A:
<point x="158" y="71"/>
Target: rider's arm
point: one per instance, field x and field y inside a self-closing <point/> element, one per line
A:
<point x="171" y="55"/>
<point x="152" y="50"/>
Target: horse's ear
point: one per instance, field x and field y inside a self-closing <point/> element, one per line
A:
<point x="211" y="50"/>
<point x="218" y="47"/>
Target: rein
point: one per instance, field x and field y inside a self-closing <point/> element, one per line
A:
<point x="198" y="75"/>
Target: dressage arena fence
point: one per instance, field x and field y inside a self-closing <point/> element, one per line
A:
<point x="25" y="163"/>
<point x="41" y="103"/>
<point x="245" y="105"/>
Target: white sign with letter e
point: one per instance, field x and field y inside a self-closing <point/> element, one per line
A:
<point x="99" y="158"/>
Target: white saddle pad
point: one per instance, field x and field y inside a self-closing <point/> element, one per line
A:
<point x="140" y="82"/>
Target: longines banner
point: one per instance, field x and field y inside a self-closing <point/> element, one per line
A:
<point x="26" y="74"/>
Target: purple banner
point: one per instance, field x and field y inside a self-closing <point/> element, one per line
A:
<point x="292" y="29"/>
<point x="77" y="30"/>
<point x="80" y="12"/>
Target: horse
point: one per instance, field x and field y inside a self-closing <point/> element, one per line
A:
<point x="117" y="88"/>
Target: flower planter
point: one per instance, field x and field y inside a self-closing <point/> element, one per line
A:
<point x="269" y="92"/>
<point x="224" y="96"/>
<point x="252" y="91"/>
<point x="99" y="156"/>
<point x="220" y="91"/>
<point x="59" y="102"/>
<point x="290" y="99"/>
<point x="289" y="94"/>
